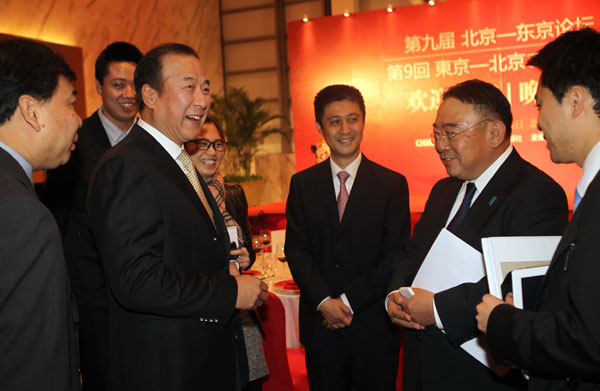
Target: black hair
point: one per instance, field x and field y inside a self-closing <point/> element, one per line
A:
<point x="336" y="93"/>
<point x="115" y="52"/>
<point x="149" y="69"/>
<point x="28" y="68"/>
<point x="211" y="120"/>
<point x="571" y="59"/>
<point x="487" y="99"/>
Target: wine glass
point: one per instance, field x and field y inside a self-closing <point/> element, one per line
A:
<point x="257" y="246"/>
<point x="265" y="237"/>
<point x="280" y="255"/>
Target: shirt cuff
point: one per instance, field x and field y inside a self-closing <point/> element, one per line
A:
<point x="387" y="299"/>
<point x="438" y="321"/>
<point x="237" y="264"/>
<point x="323" y="301"/>
<point x="345" y="301"/>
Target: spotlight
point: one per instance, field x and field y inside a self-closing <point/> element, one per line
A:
<point x="390" y="8"/>
<point x="431" y="2"/>
<point x="305" y="18"/>
<point x="346" y="13"/>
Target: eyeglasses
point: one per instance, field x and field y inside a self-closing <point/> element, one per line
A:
<point x="447" y="135"/>
<point x="203" y="144"/>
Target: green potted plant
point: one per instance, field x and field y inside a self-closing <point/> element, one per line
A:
<point x="245" y="121"/>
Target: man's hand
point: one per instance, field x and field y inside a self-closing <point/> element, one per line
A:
<point x="252" y="292"/>
<point x="242" y="257"/>
<point x="397" y="314"/>
<point x="337" y="314"/>
<point x="485" y="308"/>
<point x="420" y="307"/>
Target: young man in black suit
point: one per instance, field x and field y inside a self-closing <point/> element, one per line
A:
<point x="503" y="195"/>
<point x="559" y="343"/>
<point x="347" y="220"/>
<point x="38" y="128"/>
<point x="105" y="128"/>
<point x="164" y="245"/>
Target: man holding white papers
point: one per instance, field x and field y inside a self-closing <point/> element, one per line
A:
<point x="491" y="191"/>
<point x="560" y="343"/>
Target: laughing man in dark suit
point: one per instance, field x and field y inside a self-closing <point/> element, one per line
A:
<point x="164" y="245"/>
<point x="509" y="197"/>
<point x="341" y="253"/>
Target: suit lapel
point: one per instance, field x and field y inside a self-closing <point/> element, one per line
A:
<point x="492" y="196"/>
<point x="326" y="192"/>
<point x="166" y="164"/>
<point x="99" y="140"/>
<point x="15" y="168"/>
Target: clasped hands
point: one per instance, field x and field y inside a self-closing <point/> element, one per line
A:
<point x="336" y="314"/>
<point x="414" y="313"/>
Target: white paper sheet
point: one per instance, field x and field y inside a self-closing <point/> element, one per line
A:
<point x="451" y="262"/>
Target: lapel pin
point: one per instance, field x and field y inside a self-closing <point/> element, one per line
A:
<point x="492" y="200"/>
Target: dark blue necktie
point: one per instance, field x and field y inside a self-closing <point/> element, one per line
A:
<point x="464" y="208"/>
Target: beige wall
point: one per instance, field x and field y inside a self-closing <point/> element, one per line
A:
<point x="92" y="24"/>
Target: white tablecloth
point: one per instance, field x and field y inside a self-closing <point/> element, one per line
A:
<point x="290" y="300"/>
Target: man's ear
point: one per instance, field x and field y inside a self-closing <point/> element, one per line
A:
<point x="149" y="96"/>
<point x="98" y="87"/>
<point x="319" y="127"/>
<point x="575" y="99"/>
<point x="29" y="107"/>
<point x="497" y="133"/>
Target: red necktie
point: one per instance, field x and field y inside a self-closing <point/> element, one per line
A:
<point x="343" y="195"/>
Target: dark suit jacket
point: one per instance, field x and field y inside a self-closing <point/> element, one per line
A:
<point x="37" y="337"/>
<point x="518" y="200"/>
<point x="355" y="257"/>
<point x="171" y="299"/>
<point x="562" y="339"/>
<point x="65" y="193"/>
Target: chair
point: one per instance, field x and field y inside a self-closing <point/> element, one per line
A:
<point x="282" y="376"/>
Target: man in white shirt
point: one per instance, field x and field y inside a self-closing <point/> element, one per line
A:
<point x="347" y="221"/>
<point x="164" y="245"/>
<point x="559" y="343"/>
<point x="491" y="191"/>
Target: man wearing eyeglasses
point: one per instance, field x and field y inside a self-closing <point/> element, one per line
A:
<point x="491" y="191"/>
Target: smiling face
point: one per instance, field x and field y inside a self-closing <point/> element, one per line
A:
<point x="59" y="123"/>
<point x="342" y="129"/>
<point x="118" y="94"/>
<point x="469" y="153"/>
<point x="181" y="108"/>
<point x="552" y="120"/>
<point x="207" y="162"/>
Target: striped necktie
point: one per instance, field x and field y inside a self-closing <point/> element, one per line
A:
<point x="190" y="173"/>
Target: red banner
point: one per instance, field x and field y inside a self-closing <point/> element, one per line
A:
<point x="403" y="60"/>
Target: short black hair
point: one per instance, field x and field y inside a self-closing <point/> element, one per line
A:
<point x="487" y="99"/>
<point x="149" y="69"/>
<point x="571" y="59"/>
<point x="115" y="52"/>
<point x="336" y="93"/>
<point x="28" y="68"/>
<point x="212" y="120"/>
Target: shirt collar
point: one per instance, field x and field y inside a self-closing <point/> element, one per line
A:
<point x="172" y="148"/>
<point x="483" y="179"/>
<point x="591" y="166"/>
<point x="113" y="132"/>
<point x="20" y="159"/>
<point x="351" y="168"/>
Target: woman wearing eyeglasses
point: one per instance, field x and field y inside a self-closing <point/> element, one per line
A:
<point x="207" y="154"/>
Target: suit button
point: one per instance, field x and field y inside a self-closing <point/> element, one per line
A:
<point x="337" y="265"/>
<point x="215" y="239"/>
